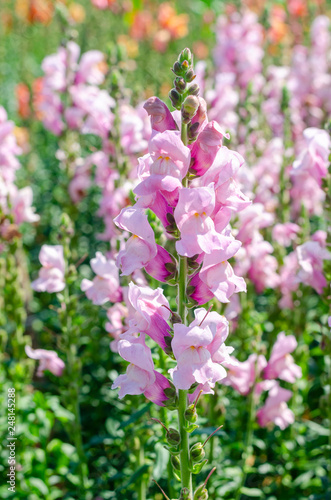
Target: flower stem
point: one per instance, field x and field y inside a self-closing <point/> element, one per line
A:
<point x="247" y="451"/>
<point x="184" y="457"/>
<point x="142" y="488"/>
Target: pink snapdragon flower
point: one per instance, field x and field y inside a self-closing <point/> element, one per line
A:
<point x="310" y="259"/>
<point x="192" y="216"/>
<point x="140" y="376"/>
<point x="141" y="247"/>
<point x="281" y="363"/>
<point x="206" y="147"/>
<point x="275" y="409"/>
<point x="106" y="284"/>
<point x="195" y="348"/>
<point x="284" y="234"/>
<point x="243" y="375"/>
<point x="150" y="313"/>
<point x="49" y="360"/>
<point x="168" y="164"/>
<point x="161" y="118"/>
<point x="51" y="275"/>
<point x="216" y="277"/>
<point x="288" y="281"/>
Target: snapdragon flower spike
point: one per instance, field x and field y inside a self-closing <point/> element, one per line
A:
<point x="140" y="376"/>
<point x="149" y="316"/>
<point x="206" y="147"/>
<point x="197" y="348"/>
<point x="106" y="285"/>
<point x="281" y="363"/>
<point x="141" y="249"/>
<point x="51" y="275"/>
<point x="48" y="360"/>
<point x="275" y="409"/>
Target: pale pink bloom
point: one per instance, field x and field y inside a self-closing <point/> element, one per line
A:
<point x="80" y="184"/>
<point x="239" y="48"/>
<point x="117" y="316"/>
<point x="288" y="280"/>
<point x="51" y="275"/>
<point x="161" y="118"/>
<point x="223" y="100"/>
<point x="192" y="216"/>
<point x="281" y="363"/>
<point x="284" y="234"/>
<point x="106" y="285"/>
<point x="170" y="163"/>
<point x="90" y="68"/>
<point x="243" y="375"/>
<point x="251" y="220"/>
<point x="49" y="360"/>
<point x="21" y="201"/>
<point x="314" y="159"/>
<point x="206" y="388"/>
<point x="151" y="312"/>
<point x="141" y="247"/>
<point x="140" y="376"/>
<point x="320" y="236"/>
<point x="205" y="148"/>
<point x="133" y="130"/>
<point x="275" y="408"/>
<point x="310" y="259"/>
<point x="216" y="277"/>
<point x="192" y="348"/>
<point x="263" y="266"/>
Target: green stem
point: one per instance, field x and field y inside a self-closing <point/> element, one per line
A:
<point x="142" y="489"/>
<point x="247" y="452"/>
<point x="184" y="457"/>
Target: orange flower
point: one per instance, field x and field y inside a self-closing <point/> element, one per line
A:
<point x="37" y="99"/>
<point x="278" y="27"/>
<point x="23" y="100"/>
<point x="22" y="138"/>
<point x="169" y="20"/>
<point x="77" y="12"/>
<point x="34" y="11"/>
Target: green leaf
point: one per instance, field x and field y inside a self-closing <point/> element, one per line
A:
<point x="38" y="485"/>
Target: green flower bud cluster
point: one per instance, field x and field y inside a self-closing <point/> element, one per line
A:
<point x="184" y="94"/>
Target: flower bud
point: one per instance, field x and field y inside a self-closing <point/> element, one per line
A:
<point x="175" y="98"/>
<point x="194" y="89"/>
<point x="190" y="76"/>
<point x="180" y="84"/>
<point x="201" y="493"/>
<point x="189" y="108"/>
<point x="192" y="131"/>
<point x="168" y="340"/>
<point x="175" y="462"/>
<point x="175" y="318"/>
<point x="197" y="452"/>
<point x="191" y="414"/>
<point x="186" y="55"/>
<point x="173" y="437"/>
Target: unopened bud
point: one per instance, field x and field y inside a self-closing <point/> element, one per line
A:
<point x="186" y="55"/>
<point x="173" y="437"/>
<point x="175" y="318"/>
<point x="194" y="89"/>
<point x="180" y="84"/>
<point x="201" y="493"/>
<point x="175" y="462"/>
<point x="189" y="108"/>
<point x="177" y="69"/>
<point x="191" y="414"/>
<point x="197" y="452"/>
<point x="168" y="340"/>
<point x="192" y="131"/>
<point x="175" y="98"/>
<point x="190" y="76"/>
